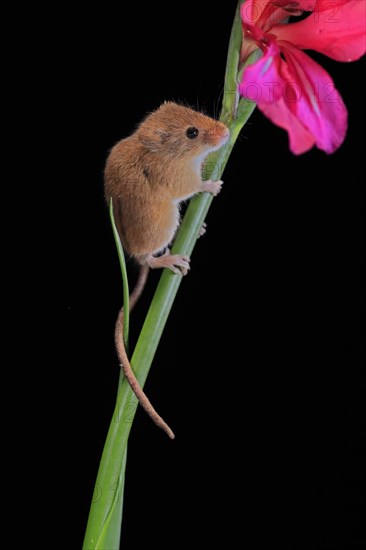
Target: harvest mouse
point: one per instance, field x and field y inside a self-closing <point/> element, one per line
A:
<point x="147" y="175"/>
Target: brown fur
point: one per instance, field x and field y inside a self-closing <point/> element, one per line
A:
<point x="150" y="172"/>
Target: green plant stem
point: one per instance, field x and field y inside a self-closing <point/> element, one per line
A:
<point x="231" y="97"/>
<point x="104" y="523"/>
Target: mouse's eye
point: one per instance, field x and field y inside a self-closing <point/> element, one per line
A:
<point x="192" y="132"/>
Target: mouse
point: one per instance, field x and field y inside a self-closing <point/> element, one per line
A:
<point x="148" y="175"/>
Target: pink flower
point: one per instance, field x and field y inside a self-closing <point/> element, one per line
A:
<point x="291" y="89"/>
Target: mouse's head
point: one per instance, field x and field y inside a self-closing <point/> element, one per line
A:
<point x="181" y="133"/>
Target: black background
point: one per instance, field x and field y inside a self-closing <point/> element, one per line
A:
<point x="259" y="368"/>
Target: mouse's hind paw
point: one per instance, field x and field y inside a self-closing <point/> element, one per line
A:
<point x="178" y="263"/>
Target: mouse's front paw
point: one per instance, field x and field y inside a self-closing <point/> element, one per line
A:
<point x="213" y="187"/>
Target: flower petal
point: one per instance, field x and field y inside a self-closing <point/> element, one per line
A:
<point x="319" y="106"/>
<point x="261" y="80"/>
<point x="265" y="84"/>
<point x="300" y="139"/>
<point x="266" y="13"/>
<point x="298" y="95"/>
<point x="336" y="28"/>
<point x="251" y="10"/>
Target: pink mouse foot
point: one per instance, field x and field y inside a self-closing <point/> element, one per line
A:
<point x="177" y="263"/>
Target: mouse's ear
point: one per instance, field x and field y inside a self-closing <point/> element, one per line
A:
<point x="153" y="140"/>
<point x="163" y="135"/>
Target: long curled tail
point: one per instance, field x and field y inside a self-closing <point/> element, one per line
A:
<point x="124" y="361"/>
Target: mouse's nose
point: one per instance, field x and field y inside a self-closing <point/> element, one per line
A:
<point x="225" y="133"/>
